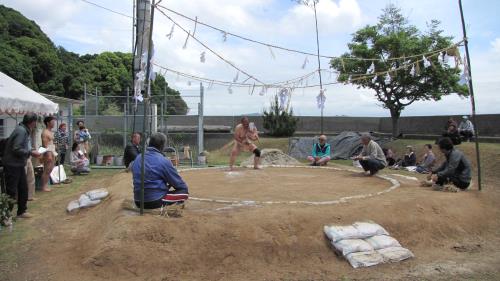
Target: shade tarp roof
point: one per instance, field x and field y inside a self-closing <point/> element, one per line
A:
<point x="15" y="98"/>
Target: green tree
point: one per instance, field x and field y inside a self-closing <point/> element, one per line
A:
<point x="175" y="104"/>
<point x="279" y="122"/>
<point x="394" y="37"/>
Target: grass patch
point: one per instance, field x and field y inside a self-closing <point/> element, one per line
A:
<point x="47" y="204"/>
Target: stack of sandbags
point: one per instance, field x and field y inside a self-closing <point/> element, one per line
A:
<point x="88" y="199"/>
<point x="365" y="244"/>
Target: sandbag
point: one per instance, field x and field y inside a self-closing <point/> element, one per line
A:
<point x="96" y="194"/>
<point x="364" y="259"/>
<point x="382" y="241"/>
<point x="73" y="206"/>
<point x="85" y="201"/>
<point x="369" y="229"/>
<point x="348" y="246"/>
<point x="395" y="254"/>
<point x="339" y="232"/>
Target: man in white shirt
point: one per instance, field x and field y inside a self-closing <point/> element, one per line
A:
<point x="466" y="129"/>
<point x="372" y="158"/>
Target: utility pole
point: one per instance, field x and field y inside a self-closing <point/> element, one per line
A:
<point x="471" y="90"/>
<point x="200" y="121"/>
<point x="144" y="33"/>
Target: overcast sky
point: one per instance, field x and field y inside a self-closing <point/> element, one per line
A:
<point x="83" y="28"/>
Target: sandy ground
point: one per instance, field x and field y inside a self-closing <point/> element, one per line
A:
<point x="454" y="236"/>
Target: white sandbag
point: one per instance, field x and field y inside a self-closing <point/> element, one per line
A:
<point x="73" y="206"/>
<point x="96" y="194"/>
<point x="339" y="232"/>
<point x="395" y="254"/>
<point x="348" y="246"/>
<point x="369" y="229"/>
<point x="382" y="241"/>
<point x="364" y="259"/>
<point x="85" y="201"/>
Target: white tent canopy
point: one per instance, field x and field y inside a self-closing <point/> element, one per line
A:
<point x="15" y="98"/>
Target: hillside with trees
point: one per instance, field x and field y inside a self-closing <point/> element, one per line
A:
<point x="28" y="55"/>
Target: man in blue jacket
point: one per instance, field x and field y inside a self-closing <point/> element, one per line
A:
<point x="320" y="152"/>
<point x="17" y="151"/>
<point x="162" y="184"/>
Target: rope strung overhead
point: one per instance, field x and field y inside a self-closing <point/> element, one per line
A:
<point x="270" y="45"/>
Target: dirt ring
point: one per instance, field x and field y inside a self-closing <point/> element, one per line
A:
<point x="236" y="201"/>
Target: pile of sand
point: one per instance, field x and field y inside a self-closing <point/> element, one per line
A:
<point x="272" y="156"/>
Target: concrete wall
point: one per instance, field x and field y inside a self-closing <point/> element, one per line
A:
<point x="488" y="124"/>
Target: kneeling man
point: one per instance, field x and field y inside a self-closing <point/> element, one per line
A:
<point x="372" y="157"/>
<point x="320" y="153"/>
<point x="456" y="169"/>
<point x="162" y="184"/>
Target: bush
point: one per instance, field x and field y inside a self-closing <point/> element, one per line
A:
<point x="279" y="122"/>
<point x="6" y="217"/>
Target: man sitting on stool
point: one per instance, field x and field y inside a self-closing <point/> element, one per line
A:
<point x="320" y="153"/>
<point x="159" y="176"/>
<point x="372" y="157"/>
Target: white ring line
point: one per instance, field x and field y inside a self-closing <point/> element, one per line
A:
<point x="395" y="184"/>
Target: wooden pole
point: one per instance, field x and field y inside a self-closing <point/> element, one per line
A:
<point x="471" y="91"/>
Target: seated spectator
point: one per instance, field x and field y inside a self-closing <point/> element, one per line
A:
<point x="372" y="157"/>
<point x="132" y="149"/>
<point x="428" y="161"/>
<point x="79" y="163"/>
<point x="389" y="156"/>
<point x="456" y="169"/>
<point x="162" y="184"/>
<point x="466" y="129"/>
<point x="453" y="135"/>
<point x="320" y="153"/>
<point x="450" y="122"/>
<point x="409" y="159"/>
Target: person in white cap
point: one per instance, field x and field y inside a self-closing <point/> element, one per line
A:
<point x="466" y="128"/>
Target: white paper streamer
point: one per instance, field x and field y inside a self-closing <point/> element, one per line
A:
<point x="189" y="83"/>
<point x="371" y="69"/>
<point x="306" y="60"/>
<point x="320" y="99"/>
<point x="271" y="51"/>
<point x="387" y="79"/>
<point x="230" y="89"/>
<point x="413" y="72"/>
<point x="284" y="95"/>
<point x="186" y="42"/>
<point x="252" y="89"/>
<point x="374" y="80"/>
<point x="202" y="57"/>
<point x="224" y="36"/>
<point x="169" y="35"/>
<point x="263" y="91"/>
<point x="236" y="77"/>
<point x="427" y="63"/>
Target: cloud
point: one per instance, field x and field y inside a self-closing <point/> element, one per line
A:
<point x="51" y="15"/>
<point x="495" y="45"/>
<point x="333" y="18"/>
